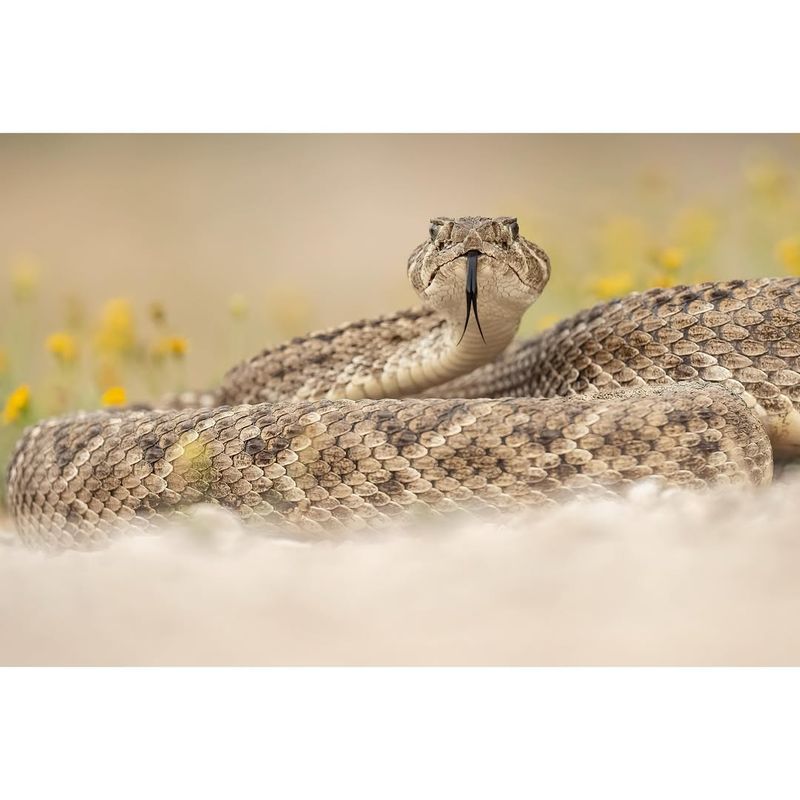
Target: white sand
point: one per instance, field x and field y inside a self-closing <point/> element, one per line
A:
<point x="677" y="578"/>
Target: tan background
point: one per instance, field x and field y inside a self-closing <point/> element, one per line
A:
<point x="319" y="226"/>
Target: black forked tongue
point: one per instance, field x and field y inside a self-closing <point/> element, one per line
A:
<point x="472" y="292"/>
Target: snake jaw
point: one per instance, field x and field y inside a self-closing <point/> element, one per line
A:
<point x="472" y="293"/>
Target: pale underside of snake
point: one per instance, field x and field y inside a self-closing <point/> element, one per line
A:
<point x="437" y="410"/>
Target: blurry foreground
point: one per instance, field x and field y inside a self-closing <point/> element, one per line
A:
<point x="678" y="578"/>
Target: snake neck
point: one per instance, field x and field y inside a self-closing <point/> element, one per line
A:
<point x="399" y="355"/>
<point x="443" y="353"/>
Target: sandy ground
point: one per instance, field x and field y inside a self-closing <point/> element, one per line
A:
<point x="672" y="578"/>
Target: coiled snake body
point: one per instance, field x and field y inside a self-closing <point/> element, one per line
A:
<point x="690" y="386"/>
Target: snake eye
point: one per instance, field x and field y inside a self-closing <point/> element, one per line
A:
<point x="514" y="228"/>
<point x="434" y="230"/>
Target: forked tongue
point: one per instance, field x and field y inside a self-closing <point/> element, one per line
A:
<point x="472" y="292"/>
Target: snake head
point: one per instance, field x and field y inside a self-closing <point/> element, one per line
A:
<point x="472" y="265"/>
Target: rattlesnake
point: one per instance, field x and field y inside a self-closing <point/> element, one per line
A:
<point x="685" y="386"/>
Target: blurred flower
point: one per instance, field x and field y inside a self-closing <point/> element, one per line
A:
<point x="107" y="372"/>
<point x="114" y="396"/>
<point x="614" y="285"/>
<point x="24" y="279"/>
<point x="545" y="322"/>
<point x="192" y="452"/>
<point x="622" y="252"/>
<point x="157" y="313"/>
<point x="159" y="349"/>
<point x="17" y="403"/>
<point x="696" y="228"/>
<point x="116" y="331"/>
<point x="237" y="306"/>
<point x="767" y="179"/>
<point x="670" y="258"/>
<point x="664" y="280"/>
<point x="176" y="346"/>
<point x="787" y="251"/>
<point x="63" y="346"/>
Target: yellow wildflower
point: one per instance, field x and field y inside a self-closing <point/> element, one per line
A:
<point x="107" y="372"/>
<point x="696" y="228"/>
<point x="547" y="321"/>
<point x="702" y="276"/>
<point x="176" y="346"/>
<point x="116" y="333"/>
<point x="622" y="243"/>
<point x="114" y="396"/>
<point x="237" y="306"/>
<point x="670" y="258"/>
<point x="614" y="285"/>
<point x="767" y="179"/>
<point x="24" y="279"/>
<point x="787" y="251"/>
<point x="63" y="346"/>
<point x="664" y="280"/>
<point x="17" y="403"/>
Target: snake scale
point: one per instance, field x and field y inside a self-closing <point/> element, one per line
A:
<point x="438" y="409"/>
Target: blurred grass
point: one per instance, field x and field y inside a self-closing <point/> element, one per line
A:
<point x="120" y="351"/>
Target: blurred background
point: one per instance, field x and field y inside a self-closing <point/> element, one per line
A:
<point x="135" y="265"/>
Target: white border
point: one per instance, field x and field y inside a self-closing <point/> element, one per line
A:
<point x="162" y="65"/>
<point x="345" y="66"/>
<point x="399" y="733"/>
